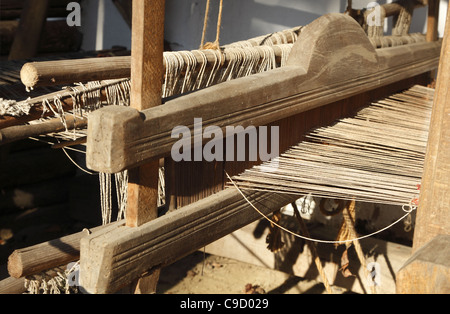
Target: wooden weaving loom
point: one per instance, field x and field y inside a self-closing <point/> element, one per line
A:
<point x="333" y="69"/>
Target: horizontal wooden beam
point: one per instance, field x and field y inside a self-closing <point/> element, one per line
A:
<point x="47" y="255"/>
<point x="60" y="72"/>
<point x="20" y="132"/>
<point x="325" y="65"/>
<point x="113" y="258"/>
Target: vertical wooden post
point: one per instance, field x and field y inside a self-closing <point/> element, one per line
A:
<point x="28" y="34"/>
<point x="433" y="214"/>
<point x="147" y="72"/>
<point x="428" y="269"/>
<point x="432" y="20"/>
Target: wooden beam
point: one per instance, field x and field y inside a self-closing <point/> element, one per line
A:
<point x="147" y="71"/>
<point x="146" y="91"/>
<point x="433" y="214"/>
<point x="60" y="72"/>
<point x="114" y="258"/>
<point x="433" y="20"/>
<point x="12" y="285"/>
<point x="319" y="72"/>
<point x="47" y="255"/>
<point x="48" y="73"/>
<point x="427" y="271"/>
<point x="32" y="20"/>
<point x="20" y="132"/>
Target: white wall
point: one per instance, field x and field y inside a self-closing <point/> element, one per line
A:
<point x="241" y="19"/>
<point x="102" y="25"/>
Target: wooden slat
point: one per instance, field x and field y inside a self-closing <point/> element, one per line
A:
<point x="146" y="90"/>
<point x="147" y="71"/>
<point x="427" y="271"/>
<point x="48" y="73"/>
<point x="112" y="259"/>
<point x="319" y="72"/>
<point x="20" y="132"/>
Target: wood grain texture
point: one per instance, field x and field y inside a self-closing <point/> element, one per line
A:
<point x="32" y="20"/>
<point x="427" y="271"/>
<point x="114" y="258"/>
<point x="147" y="48"/>
<point x="41" y="257"/>
<point x="432" y="20"/>
<point x="47" y="73"/>
<point x="325" y="66"/>
<point x="433" y="214"/>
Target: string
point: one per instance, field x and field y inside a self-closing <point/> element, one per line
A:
<point x="215" y="44"/>
<point x="411" y="208"/>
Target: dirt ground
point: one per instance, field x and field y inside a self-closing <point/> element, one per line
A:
<point x="201" y="273"/>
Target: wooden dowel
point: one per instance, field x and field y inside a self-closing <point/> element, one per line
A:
<point x="20" y="132"/>
<point x="12" y="285"/>
<point x="36" y="111"/>
<point x="61" y="72"/>
<point x="146" y="89"/>
<point x="147" y="72"/>
<point x="47" y="255"/>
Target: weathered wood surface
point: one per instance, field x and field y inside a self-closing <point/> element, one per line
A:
<point x="248" y="245"/>
<point x="20" y="132"/>
<point x="48" y="73"/>
<point x="146" y="89"/>
<point x="47" y="255"/>
<point x="12" y="285"/>
<point x="114" y="258"/>
<point x="433" y="213"/>
<point x="62" y="72"/>
<point x="32" y="20"/>
<point x="147" y="72"/>
<point x="332" y="60"/>
<point x="37" y="111"/>
<point x="427" y="271"/>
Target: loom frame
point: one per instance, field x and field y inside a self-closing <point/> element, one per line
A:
<point x="112" y="259"/>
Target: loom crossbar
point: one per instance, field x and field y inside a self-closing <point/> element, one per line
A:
<point x="331" y="60"/>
